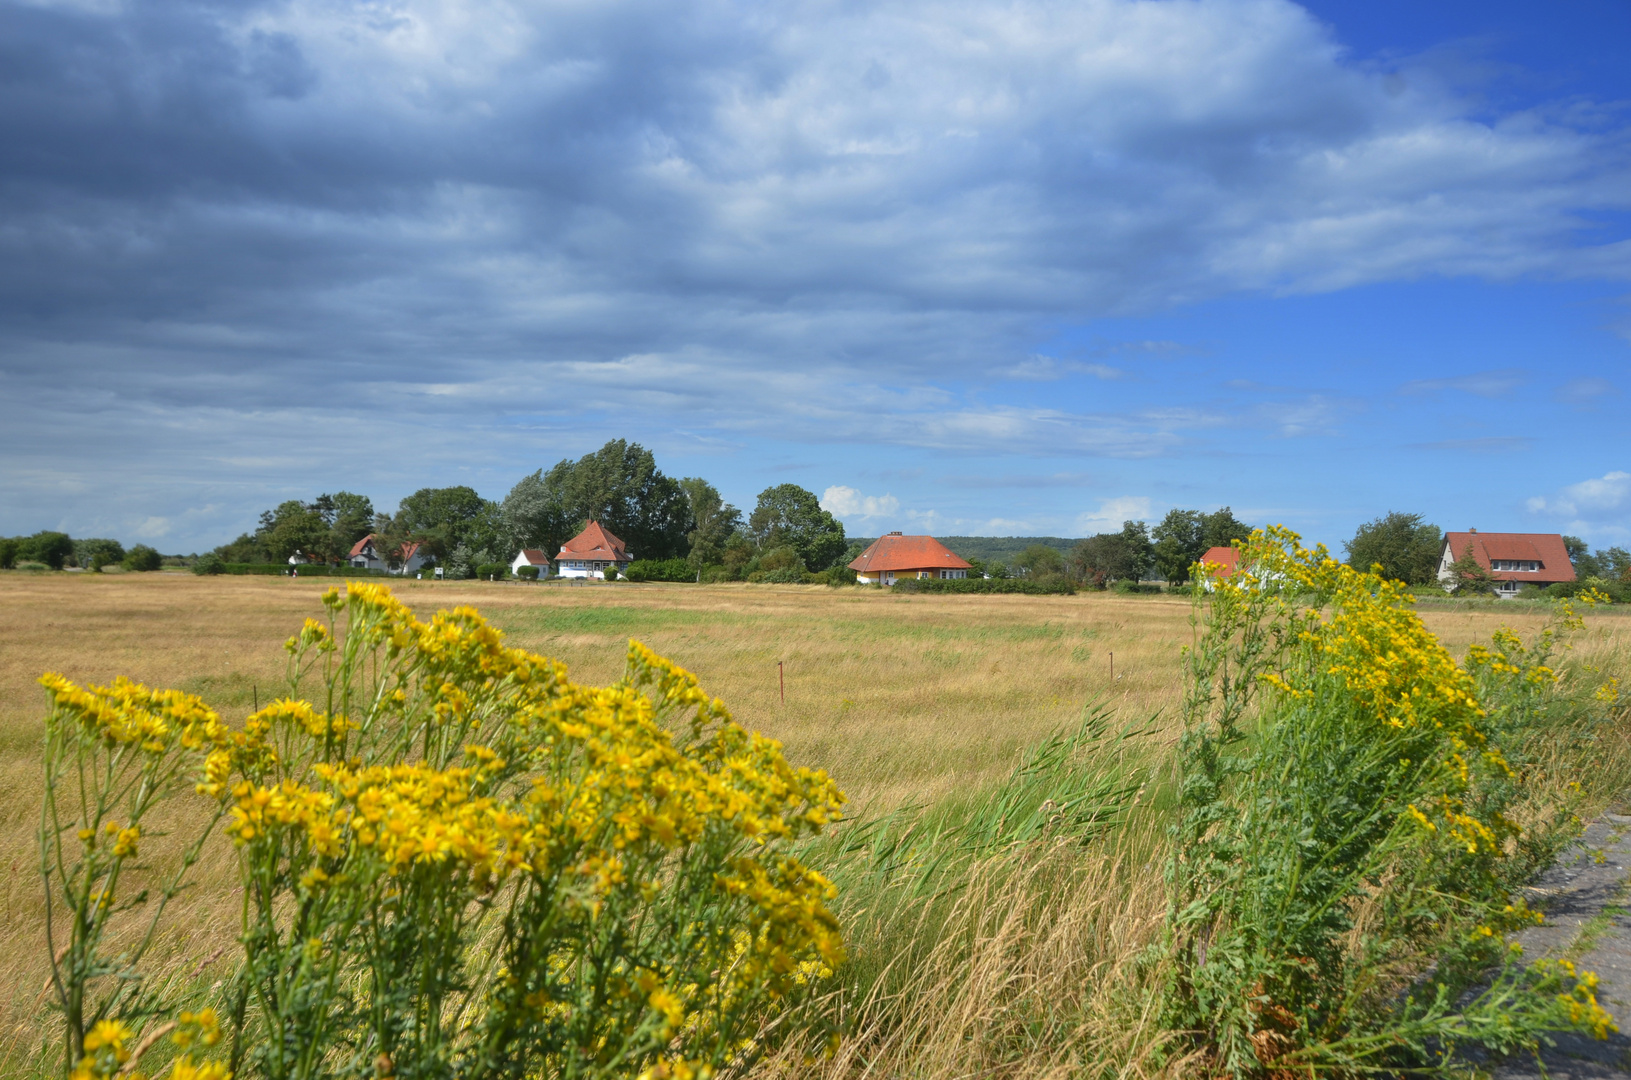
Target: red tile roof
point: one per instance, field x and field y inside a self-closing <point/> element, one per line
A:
<point x="535" y="556"/>
<point x="594" y="543"/>
<point x="1544" y="548"/>
<point x="1227" y="560"/>
<point x="896" y="552"/>
<point x="356" y="549"/>
<point x="408" y="550"/>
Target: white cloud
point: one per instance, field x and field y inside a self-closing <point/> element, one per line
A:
<point x="1111" y="513"/>
<point x="1599" y="500"/>
<point x="847" y="502"/>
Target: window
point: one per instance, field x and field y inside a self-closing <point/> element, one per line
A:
<point x="1514" y="565"/>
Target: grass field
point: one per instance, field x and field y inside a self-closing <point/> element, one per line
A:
<point x="904" y="699"/>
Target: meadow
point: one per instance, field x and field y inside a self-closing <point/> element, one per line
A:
<point x="907" y="701"/>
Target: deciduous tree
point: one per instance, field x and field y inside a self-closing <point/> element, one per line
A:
<point x="1403" y="545"/>
<point x="789" y="515"/>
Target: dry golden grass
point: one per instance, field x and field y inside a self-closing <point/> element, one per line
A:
<point x="902" y="698"/>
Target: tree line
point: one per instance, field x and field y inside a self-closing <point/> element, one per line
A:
<point x="58" y="550"/>
<point x="662" y="521"/>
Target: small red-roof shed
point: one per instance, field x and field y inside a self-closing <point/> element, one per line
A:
<point x="892" y="557"/>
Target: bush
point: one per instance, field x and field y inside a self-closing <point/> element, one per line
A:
<point x="1617" y="591"/>
<point x="530" y="573"/>
<point x="143" y="558"/>
<point x="209" y="563"/>
<point x="1053" y="587"/>
<point x="567" y="886"/>
<point x="8" y="553"/>
<point x="1134" y="587"/>
<point x="787" y="575"/>
<point x="677" y="570"/>
<point x="493" y="570"/>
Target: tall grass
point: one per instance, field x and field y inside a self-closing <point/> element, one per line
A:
<point x="1004" y="888"/>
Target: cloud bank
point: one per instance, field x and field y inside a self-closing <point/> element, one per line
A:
<point x="239" y="242"/>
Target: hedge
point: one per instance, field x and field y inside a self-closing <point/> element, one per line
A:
<point x="660" y="570"/>
<point x="307" y="570"/>
<point x="1059" y="587"/>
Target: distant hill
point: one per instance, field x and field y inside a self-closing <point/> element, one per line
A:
<point x="1000" y="548"/>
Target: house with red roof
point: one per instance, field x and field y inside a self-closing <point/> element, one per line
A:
<point x="893" y="557"/>
<point x="591" y="552"/>
<point x="1226" y="560"/>
<point x="365" y="555"/>
<point x="1512" y="559"/>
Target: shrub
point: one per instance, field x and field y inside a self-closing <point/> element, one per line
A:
<point x="530" y="573"/>
<point x="143" y="558"/>
<point x="787" y="575"/>
<point x="1346" y="856"/>
<point x="467" y="866"/>
<point x="209" y="563"/>
<point x="493" y="570"/>
<point x="660" y="570"/>
<point x="8" y="553"/>
<point x="1134" y="587"/>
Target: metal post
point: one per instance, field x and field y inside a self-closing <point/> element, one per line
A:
<point x="1112" y="667"/>
<point x="782" y="677"/>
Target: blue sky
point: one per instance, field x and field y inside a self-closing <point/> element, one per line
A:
<point x="1012" y="268"/>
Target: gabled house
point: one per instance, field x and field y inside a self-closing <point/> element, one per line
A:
<point x="588" y="554"/>
<point x="365" y="555"/>
<point x="531" y="557"/>
<point x="1226" y="559"/>
<point x="895" y="557"/>
<point x="1513" y="559"/>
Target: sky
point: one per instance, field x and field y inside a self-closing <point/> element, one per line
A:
<point x="1004" y="268"/>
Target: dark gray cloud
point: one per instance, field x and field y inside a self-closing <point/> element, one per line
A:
<point x="238" y="240"/>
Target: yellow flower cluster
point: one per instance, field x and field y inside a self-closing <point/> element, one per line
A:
<point x="105" y="1052"/>
<point x="129" y="714"/>
<point x="1372" y="640"/>
<point x="452" y="766"/>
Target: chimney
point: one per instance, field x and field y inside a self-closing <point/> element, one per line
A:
<point x="1472" y="530"/>
<point x="895" y="533"/>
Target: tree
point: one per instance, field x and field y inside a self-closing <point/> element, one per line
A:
<point x="1466" y="575"/>
<point x="1040" y="561"/>
<point x="443" y="519"/>
<point x="8" y="552"/>
<point x="533" y="517"/>
<point x="1183" y="536"/>
<point x="621" y="487"/>
<point x="349" y="517"/>
<point x="48" y="547"/>
<point x="94" y="554"/>
<point x="713" y="521"/>
<point x="1221" y="528"/>
<point x="1178" y="544"/>
<point x="789" y="515"/>
<point x="143" y="558"/>
<point x="1406" y="548"/>
<point x="1107" y="557"/>
<point x="293" y="527"/>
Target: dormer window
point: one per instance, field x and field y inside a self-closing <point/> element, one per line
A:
<point x="1515" y="565"/>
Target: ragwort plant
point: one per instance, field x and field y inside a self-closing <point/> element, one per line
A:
<point x="457" y="863"/>
<point x="1346" y="856"/>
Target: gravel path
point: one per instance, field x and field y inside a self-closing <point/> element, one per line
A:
<point x="1587" y="900"/>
